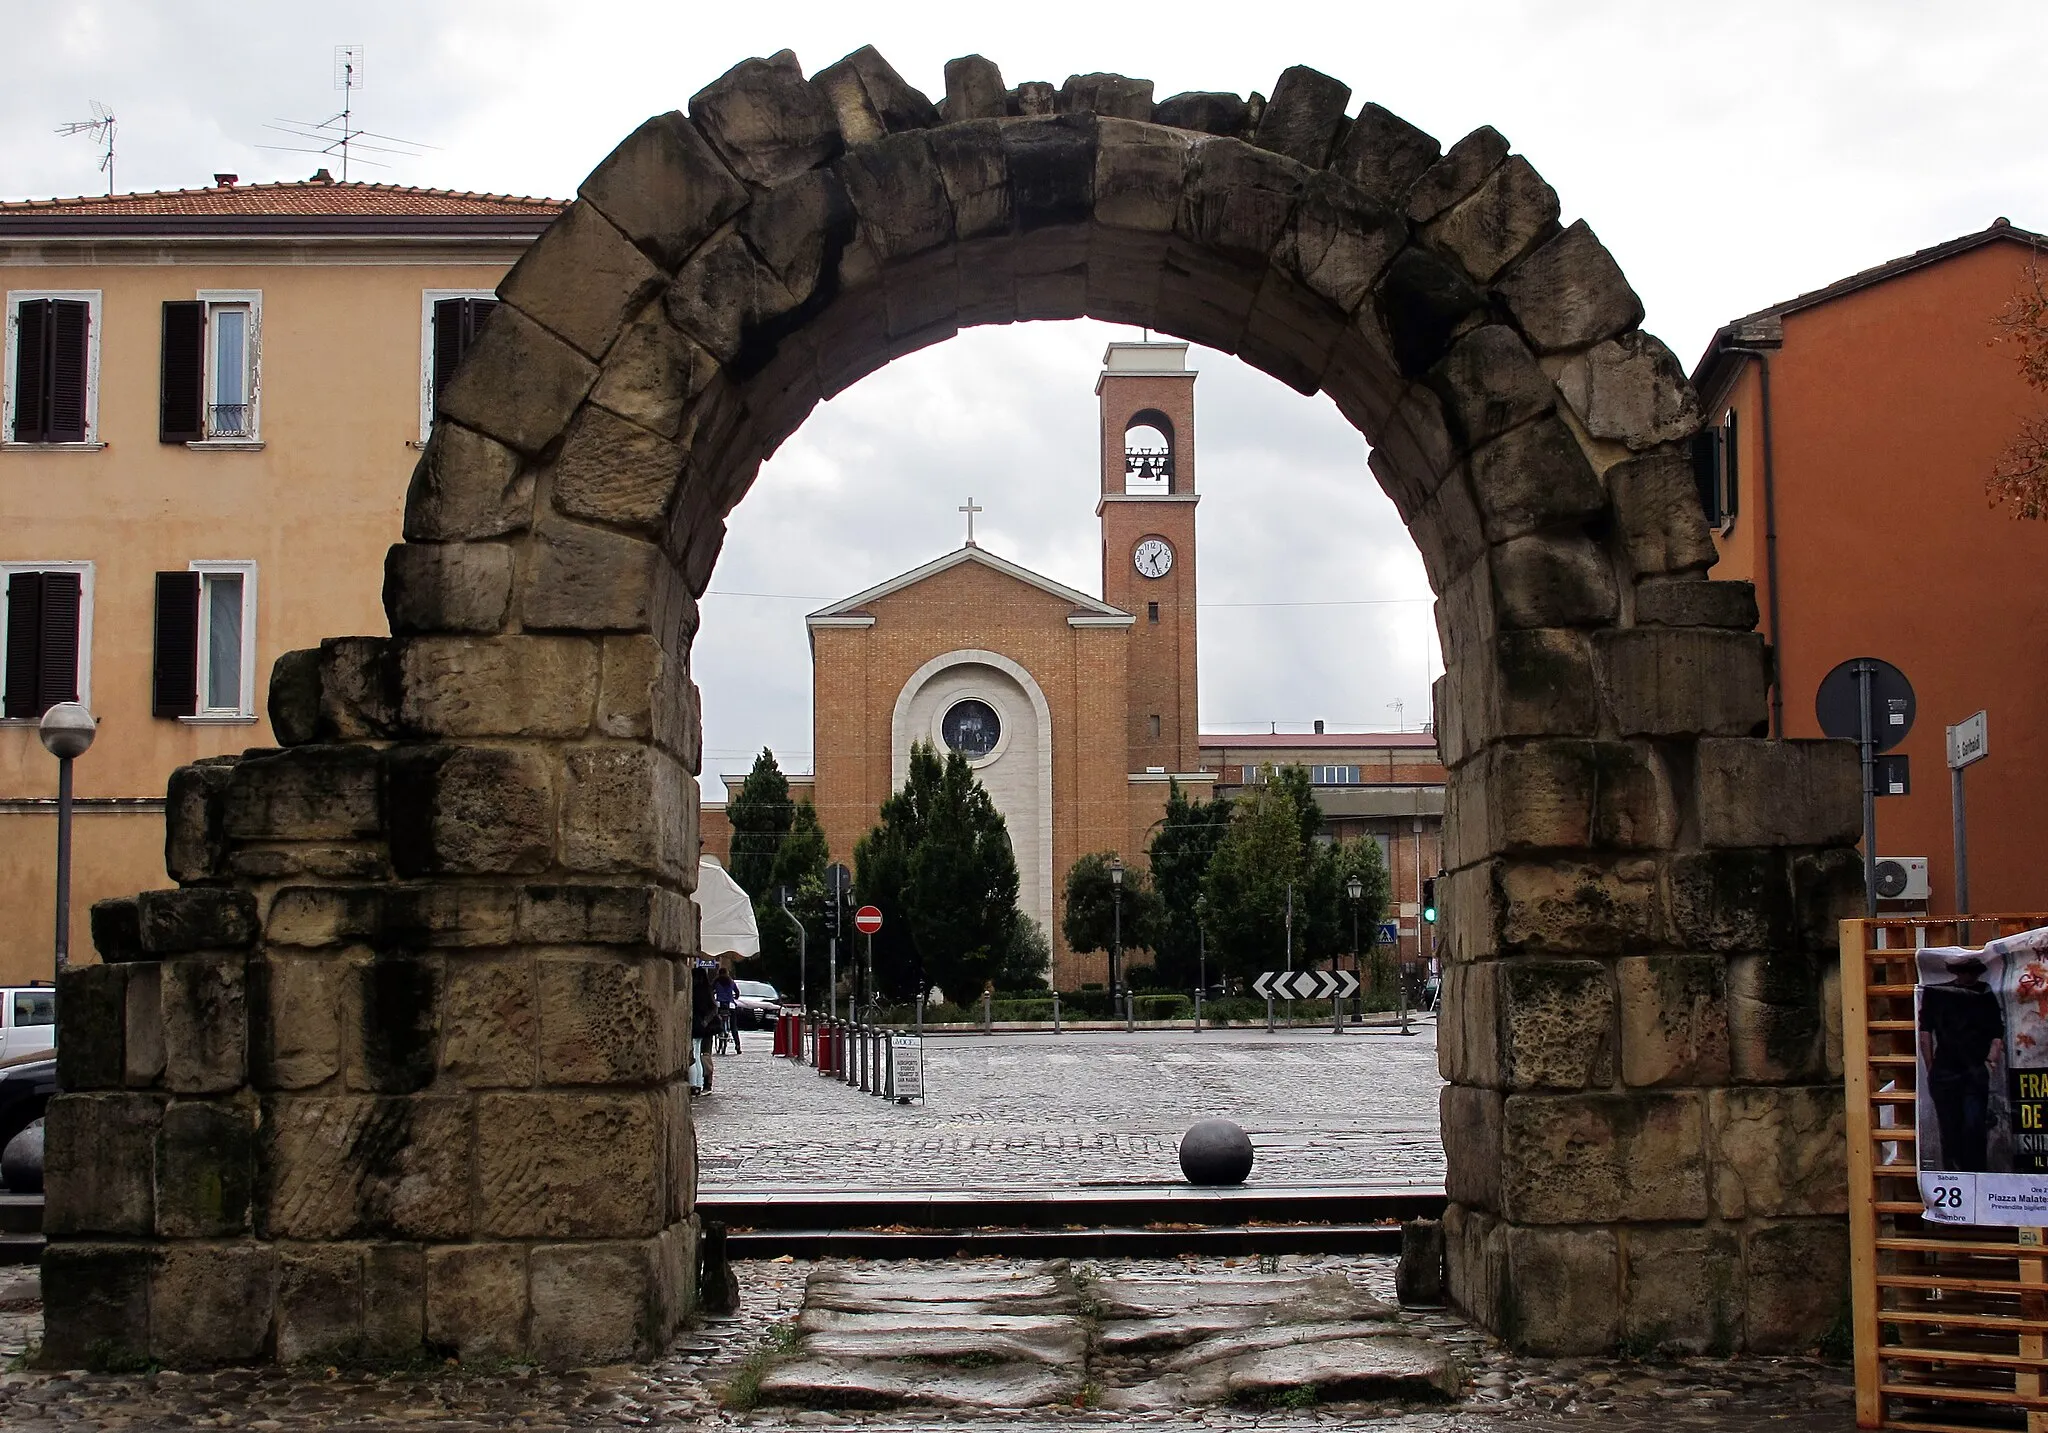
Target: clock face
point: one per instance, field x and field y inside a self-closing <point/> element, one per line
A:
<point x="1153" y="557"/>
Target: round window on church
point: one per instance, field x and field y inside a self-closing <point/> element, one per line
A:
<point x="971" y="728"/>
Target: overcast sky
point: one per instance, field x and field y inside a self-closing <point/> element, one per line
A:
<point x="1730" y="157"/>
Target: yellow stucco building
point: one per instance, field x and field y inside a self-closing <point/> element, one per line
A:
<point x="209" y="402"/>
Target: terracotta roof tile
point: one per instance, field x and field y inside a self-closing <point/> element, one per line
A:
<point x="297" y="198"/>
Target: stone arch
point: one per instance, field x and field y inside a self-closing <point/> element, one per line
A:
<point x="453" y="907"/>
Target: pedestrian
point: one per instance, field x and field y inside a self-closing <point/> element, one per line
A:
<point x="703" y="1027"/>
<point x="727" y="992"/>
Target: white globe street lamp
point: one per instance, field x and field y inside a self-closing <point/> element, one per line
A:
<point x="67" y="730"/>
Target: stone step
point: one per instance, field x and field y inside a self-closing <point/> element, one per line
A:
<point x="798" y="1207"/>
<point x="18" y="1249"/>
<point x="1106" y="1242"/>
<point x="21" y="1213"/>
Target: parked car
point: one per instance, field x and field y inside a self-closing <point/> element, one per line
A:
<point x="26" y="1084"/>
<point x="28" y="1020"/>
<point x="759" y="1004"/>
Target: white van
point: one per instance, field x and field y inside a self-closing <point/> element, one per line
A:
<point x="28" y="1020"/>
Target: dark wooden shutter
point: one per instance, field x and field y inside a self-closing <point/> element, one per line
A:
<point x="181" y="406"/>
<point x="57" y="662"/>
<point x="31" y="365"/>
<point x="69" y="320"/>
<point x="1731" y="485"/>
<point x="174" y="684"/>
<point x="24" y="644"/>
<point x="456" y="325"/>
<point x="1706" y="472"/>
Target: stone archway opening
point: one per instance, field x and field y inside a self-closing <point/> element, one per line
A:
<point x="418" y="989"/>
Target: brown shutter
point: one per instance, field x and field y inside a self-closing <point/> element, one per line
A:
<point x="174" y="685"/>
<point x="456" y="324"/>
<point x="69" y="319"/>
<point x="31" y="362"/>
<point x="57" y="662"/>
<point x="181" y="410"/>
<point x="24" y="643"/>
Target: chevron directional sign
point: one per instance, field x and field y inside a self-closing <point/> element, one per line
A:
<point x="1306" y="984"/>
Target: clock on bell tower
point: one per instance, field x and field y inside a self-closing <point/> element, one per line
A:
<point x="1147" y="397"/>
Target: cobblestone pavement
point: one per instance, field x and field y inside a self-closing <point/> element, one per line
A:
<point x="689" y="1388"/>
<point x="1086" y="1108"/>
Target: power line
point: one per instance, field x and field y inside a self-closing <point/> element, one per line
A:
<point x="1311" y="602"/>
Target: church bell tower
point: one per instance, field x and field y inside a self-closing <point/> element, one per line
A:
<point x="1147" y="397"/>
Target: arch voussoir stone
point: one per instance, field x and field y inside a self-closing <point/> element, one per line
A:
<point x="455" y="901"/>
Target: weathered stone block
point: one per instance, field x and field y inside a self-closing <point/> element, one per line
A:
<point x="518" y="385"/>
<point x="612" y="471"/>
<point x="1684" y="681"/>
<point x="1674" y="1020"/>
<point x="1471" y="1122"/>
<point x="1475" y="1246"/>
<point x="765" y="120"/>
<point x="1051" y="164"/>
<point x="1204" y="112"/>
<point x="1303" y="118"/>
<point x="195" y="838"/>
<point x="1341" y="241"/>
<point x="524" y="686"/>
<point x="394" y="1299"/>
<point x="466" y="487"/>
<point x="1383" y="154"/>
<point x="116" y="926"/>
<point x="1554" y="580"/>
<point x="1582" y="1159"/>
<point x="295" y="1038"/>
<point x="1560" y="794"/>
<point x="1532" y="477"/>
<point x="1140" y="173"/>
<point x="1827" y="889"/>
<point x="342" y="1167"/>
<point x="99" y="1164"/>
<point x="206" y="1170"/>
<point x="96" y="1303"/>
<point x="582" y="279"/>
<point x="1564" y="1287"/>
<point x="664" y="188"/>
<point x="1490" y="383"/>
<point x="1462" y="169"/>
<point x="1569" y="906"/>
<point x="476" y="1299"/>
<point x="1779" y="793"/>
<point x="1571" y="293"/>
<point x="589" y="579"/>
<point x="1630" y="390"/>
<point x="309" y="793"/>
<point x="196" y="918"/>
<point x="1657" y="506"/>
<point x="870" y="100"/>
<point x="1798" y="1284"/>
<point x="1530" y="683"/>
<point x="1110" y="96"/>
<point x="578" y="1166"/>
<point x="447" y="587"/>
<point x="1779" y="1150"/>
<point x="1556" y="1025"/>
<point x="1240" y="198"/>
<point x="1497" y="223"/>
<point x="92" y="1014"/>
<point x="390" y="916"/>
<point x="1683" y="602"/>
<point x="974" y="89"/>
<point x="470" y="810"/>
<point x="143" y="1027"/>
<point x="491" y="1021"/>
<point x="319" y="1303"/>
<point x="1731" y="900"/>
<point x="205" y="1023"/>
<point x="605" y="1022"/>
<point x="595" y="1303"/>
<point x="652" y="373"/>
<point x="1468" y="1048"/>
<point x="976" y="173"/>
<point x="626" y="808"/>
<point x="1423" y="301"/>
<point x="393" y="1022"/>
<point x="1777" y="1022"/>
<point x="895" y="187"/>
<point x="591" y="915"/>
<point x="1684" y="1290"/>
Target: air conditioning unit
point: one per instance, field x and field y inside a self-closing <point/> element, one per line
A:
<point x="1902" y="878"/>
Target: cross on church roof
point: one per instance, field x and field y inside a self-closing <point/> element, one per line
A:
<point x="970" y="509"/>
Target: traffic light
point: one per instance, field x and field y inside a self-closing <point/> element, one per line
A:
<point x="1429" y="899"/>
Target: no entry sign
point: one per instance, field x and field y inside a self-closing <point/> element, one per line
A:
<point x="867" y="920"/>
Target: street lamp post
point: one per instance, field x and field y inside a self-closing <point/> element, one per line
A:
<point x="1355" y="888"/>
<point x="1116" y="938"/>
<point x="67" y="730"/>
<point x="1201" y="957"/>
<point x="803" y="994"/>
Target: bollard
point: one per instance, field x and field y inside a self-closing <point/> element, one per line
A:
<point x="1336" y="1015"/>
<point x="1198" y="1009"/>
<point x="867" y="1052"/>
<point x="1055" y="1012"/>
<point x="849" y="1067"/>
<point x="987" y="1017"/>
<point x="1130" y="1011"/>
<point x="1269" y="1014"/>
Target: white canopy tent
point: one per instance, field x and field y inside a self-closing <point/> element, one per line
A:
<point x="725" y="913"/>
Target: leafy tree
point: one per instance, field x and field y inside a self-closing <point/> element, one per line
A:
<point x="2019" y="477"/>
<point x="881" y="871"/>
<point x="760" y="816"/>
<point x="1027" y="964"/>
<point x="1182" y="846"/>
<point x="799" y="867"/>
<point x="1259" y="857"/>
<point x="1091" y="919"/>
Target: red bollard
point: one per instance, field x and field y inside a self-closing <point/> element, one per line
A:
<point x="781" y="1045"/>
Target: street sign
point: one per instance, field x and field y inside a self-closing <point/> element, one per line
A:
<point x="867" y="920"/>
<point x="1894" y="775"/>
<point x="1891" y="704"/>
<point x="1306" y="984"/>
<point x="1389" y="933"/>
<point x="1969" y="740"/>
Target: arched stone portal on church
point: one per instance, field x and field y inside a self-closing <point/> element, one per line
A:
<point x="398" y="1061"/>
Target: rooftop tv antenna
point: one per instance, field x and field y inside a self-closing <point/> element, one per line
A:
<point x="337" y="134"/>
<point x="101" y="128"/>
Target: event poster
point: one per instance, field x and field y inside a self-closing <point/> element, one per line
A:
<point x="1981" y="1132"/>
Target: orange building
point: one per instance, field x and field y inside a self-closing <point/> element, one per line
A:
<point x="1850" y="433"/>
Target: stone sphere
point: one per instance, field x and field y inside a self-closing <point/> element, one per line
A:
<point x="1215" y="1152"/>
<point x="21" y="1163"/>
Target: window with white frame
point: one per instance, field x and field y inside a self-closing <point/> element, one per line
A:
<point x="450" y="320"/>
<point x="205" y="666"/>
<point x="45" y="637"/>
<point x="1333" y="776"/>
<point x="49" y="391"/>
<point x="212" y="372"/>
